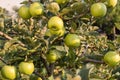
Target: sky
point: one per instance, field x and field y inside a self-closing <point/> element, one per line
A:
<point x="9" y="4"/>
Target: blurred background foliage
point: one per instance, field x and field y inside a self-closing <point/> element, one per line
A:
<point x="25" y="39"/>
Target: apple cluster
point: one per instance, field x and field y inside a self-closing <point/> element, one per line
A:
<point x="56" y="27"/>
<point x="11" y="72"/>
<point x="35" y="9"/>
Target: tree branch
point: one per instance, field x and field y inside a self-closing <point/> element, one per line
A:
<point x="93" y="61"/>
<point x="46" y="65"/>
<point x="49" y="67"/>
<point x="10" y="38"/>
<point x="5" y="35"/>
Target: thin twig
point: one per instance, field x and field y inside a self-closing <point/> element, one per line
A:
<point x="5" y="35"/>
<point x="94" y="61"/>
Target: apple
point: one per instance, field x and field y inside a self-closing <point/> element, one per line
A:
<point x="9" y="72"/>
<point x="112" y="3"/>
<point x="59" y="33"/>
<point x="36" y="9"/>
<point x="98" y="9"/>
<point x="26" y="67"/>
<point x="112" y="58"/>
<point x="72" y="40"/>
<point x="24" y="12"/>
<point x="62" y="1"/>
<point x="55" y="23"/>
<point x="51" y="56"/>
<point x="53" y="7"/>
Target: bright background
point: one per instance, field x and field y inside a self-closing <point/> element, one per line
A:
<point x="9" y="4"/>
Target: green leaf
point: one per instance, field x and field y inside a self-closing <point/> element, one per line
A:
<point x="117" y="25"/>
<point x="9" y="43"/>
<point x="73" y="25"/>
<point x="78" y="7"/>
<point x="60" y="48"/>
<point x="2" y="52"/>
<point x="118" y="39"/>
<point x="51" y="77"/>
<point x="65" y="11"/>
<point x="85" y="71"/>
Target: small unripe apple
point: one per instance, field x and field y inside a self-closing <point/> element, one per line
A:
<point x="60" y="32"/>
<point x="112" y="3"/>
<point x="98" y="9"/>
<point x="53" y="7"/>
<point x="26" y="67"/>
<point x="9" y="72"/>
<point x="112" y="58"/>
<point x="72" y="40"/>
<point x="24" y="12"/>
<point x="36" y="9"/>
<point x="62" y="1"/>
<point x="51" y="56"/>
<point x="55" y="23"/>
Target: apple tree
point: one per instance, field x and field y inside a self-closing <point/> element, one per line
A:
<point x="61" y="40"/>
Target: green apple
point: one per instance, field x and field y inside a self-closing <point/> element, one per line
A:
<point x="59" y="33"/>
<point x="98" y="9"/>
<point x="36" y="9"/>
<point x="26" y="68"/>
<point x="53" y="7"/>
<point x="24" y="12"/>
<point x="62" y="1"/>
<point x="112" y="3"/>
<point x="9" y="72"/>
<point x="72" y="40"/>
<point x="52" y="56"/>
<point x="112" y="58"/>
<point x="55" y="23"/>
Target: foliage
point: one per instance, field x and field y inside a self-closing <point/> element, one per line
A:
<point x="25" y="40"/>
